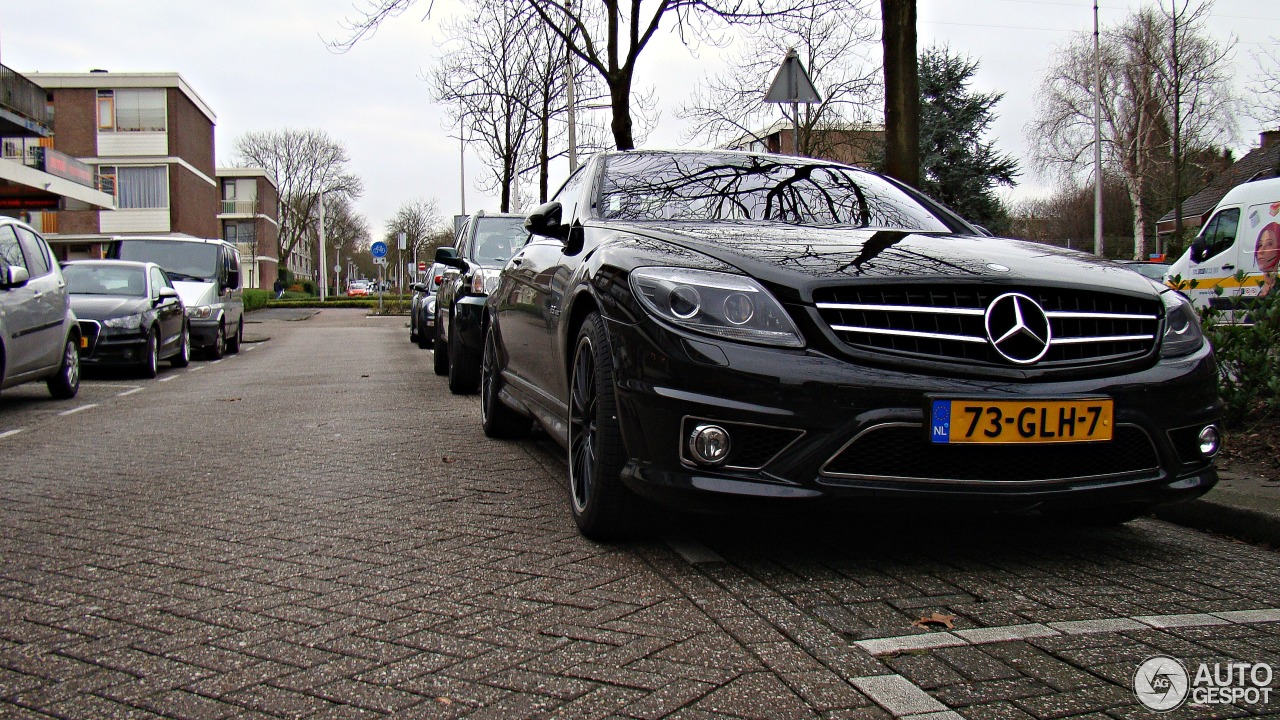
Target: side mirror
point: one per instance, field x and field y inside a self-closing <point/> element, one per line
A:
<point x="546" y="220"/>
<point x="1199" y="249"/>
<point x="167" y="293"/>
<point x="13" y="276"/>
<point x="233" y="279"/>
<point x="449" y="256"/>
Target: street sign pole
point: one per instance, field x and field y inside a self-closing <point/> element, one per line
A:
<point x="792" y="85"/>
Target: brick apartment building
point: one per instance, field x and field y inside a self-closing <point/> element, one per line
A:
<point x="857" y="144"/>
<point x="35" y="178"/>
<point x="148" y="136"/>
<point x="249" y="216"/>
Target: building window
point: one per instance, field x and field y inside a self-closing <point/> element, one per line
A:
<point x="139" y="187"/>
<point x="239" y="232"/>
<point x="131" y="110"/>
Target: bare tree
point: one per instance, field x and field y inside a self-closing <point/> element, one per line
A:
<point x="305" y="163"/>
<point x="1194" y="86"/>
<point x="420" y="221"/>
<point x="346" y="232"/>
<point x="610" y="39"/>
<point x="1265" y="97"/>
<point x="833" y="47"/>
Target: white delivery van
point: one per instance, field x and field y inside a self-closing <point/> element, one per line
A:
<point x="1243" y="233"/>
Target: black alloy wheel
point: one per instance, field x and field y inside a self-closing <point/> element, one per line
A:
<point x="150" y="366"/>
<point x="603" y="507"/>
<point x="66" y="383"/>
<point x="439" y="350"/>
<point x="464" y="366"/>
<point x="499" y="420"/>
<point x="183" y="357"/>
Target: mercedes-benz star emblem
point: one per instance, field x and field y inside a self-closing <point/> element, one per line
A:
<point x="1018" y="328"/>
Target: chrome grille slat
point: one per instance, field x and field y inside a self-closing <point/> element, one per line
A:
<point x="947" y="322"/>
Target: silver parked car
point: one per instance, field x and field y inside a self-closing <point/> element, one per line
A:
<point x="39" y="335"/>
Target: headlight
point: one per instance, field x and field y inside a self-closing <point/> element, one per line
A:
<point x="200" y="312"/>
<point x="1181" y="326"/>
<point x="485" y="280"/>
<point x="733" y="307"/>
<point x="128" y="322"/>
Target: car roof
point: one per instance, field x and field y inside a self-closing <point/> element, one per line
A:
<point x="172" y="238"/>
<point x="124" y="263"/>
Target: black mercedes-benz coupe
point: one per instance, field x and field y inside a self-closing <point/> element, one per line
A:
<point x="711" y="325"/>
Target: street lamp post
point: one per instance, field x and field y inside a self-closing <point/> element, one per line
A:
<point x="323" y="274"/>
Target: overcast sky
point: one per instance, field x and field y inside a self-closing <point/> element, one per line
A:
<point x="264" y="64"/>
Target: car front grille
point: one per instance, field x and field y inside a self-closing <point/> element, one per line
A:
<point x="89" y="330"/>
<point x="902" y="452"/>
<point x="947" y="322"/>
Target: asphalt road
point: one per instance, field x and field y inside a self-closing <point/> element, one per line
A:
<point x="317" y="528"/>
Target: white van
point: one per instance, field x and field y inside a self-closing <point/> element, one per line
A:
<point x="1242" y="234"/>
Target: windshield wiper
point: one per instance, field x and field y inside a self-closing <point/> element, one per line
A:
<point x="184" y="276"/>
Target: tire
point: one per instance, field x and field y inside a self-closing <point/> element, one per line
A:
<point x="464" y="365"/>
<point x="150" y="366"/>
<point x="66" y="383"/>
<point x="439" y="350"/>
<point x="602" y="506"/>
<point x="219" y="344"/>
<point x="499" y="421"/>
<point x="234" y="342"/>
<point x="183" y="357"/>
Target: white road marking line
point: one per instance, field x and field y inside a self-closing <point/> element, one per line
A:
<point x="1007" y="633"/>
<point x="197" y="367"/>
<point x="129" y="392"/>
<point x="251" y="347"/>
<point x="898" y="695"/>
<point x="75" y="410"/>
<point x="215" y="362"/>
<point x="692" y="551"/>
<point x="10" y="433"/>
<point x="166" y="379"/>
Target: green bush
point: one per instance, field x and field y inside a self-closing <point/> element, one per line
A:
<point x="255" y="299"/>
<point x="1245" y="333"/>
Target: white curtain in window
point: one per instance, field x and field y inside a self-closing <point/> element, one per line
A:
<point x="142" y="187"/>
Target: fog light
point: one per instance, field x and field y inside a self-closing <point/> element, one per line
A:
<point x="1210" y="441"/>
<point x="709" y="444"/>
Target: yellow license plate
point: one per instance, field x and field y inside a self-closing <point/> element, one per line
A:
<point x="1021" y="421"/>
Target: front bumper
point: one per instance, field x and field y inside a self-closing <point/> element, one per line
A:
<point x="204" y="333"/>
<point x="807" y="425"/>
<point x="104" y="346"/>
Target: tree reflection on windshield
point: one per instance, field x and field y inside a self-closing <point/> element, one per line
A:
<point x="725" y="186"/>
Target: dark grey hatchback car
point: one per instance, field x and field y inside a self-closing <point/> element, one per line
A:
<point x="699" y="326"/>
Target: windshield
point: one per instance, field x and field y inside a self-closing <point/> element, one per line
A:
<point x="713" y="186"/>
<point x="105" y="280"/>
<point x="498" y="238"/>
<point x="193" y="261"/>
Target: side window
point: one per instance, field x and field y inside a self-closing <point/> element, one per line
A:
<point x="35" y="251"/>
<point x="568" y="193"/>
<point x="1219" y="234"/>
<point x="10" y="252"/>
<point x="158" y="281"/>
<point x="461" y="244"/>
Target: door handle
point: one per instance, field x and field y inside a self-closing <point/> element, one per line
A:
<point x="37" y="294"/>
<point x="1228" y="267"/>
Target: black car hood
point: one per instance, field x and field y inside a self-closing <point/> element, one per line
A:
<point x="103" y="307"/>
<point x="803" y="258"/>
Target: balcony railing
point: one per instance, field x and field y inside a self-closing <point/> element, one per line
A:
<point x="239" y="207"/>
<point x="19" y="94"/>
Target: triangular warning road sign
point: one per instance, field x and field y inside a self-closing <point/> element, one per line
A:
<point x="792" y="83"/>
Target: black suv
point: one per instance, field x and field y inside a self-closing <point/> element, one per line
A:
<point x="473" y="265"/>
